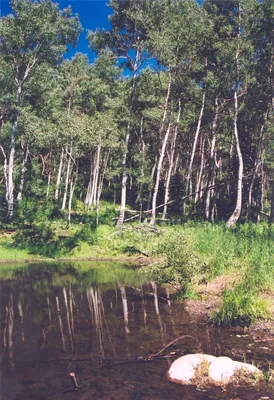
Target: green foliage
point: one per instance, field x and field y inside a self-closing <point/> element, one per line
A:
<point x="44" y="39"/>
<point x="180" y="260"/>
<point x="188" y="292"/>
<point x="41" y="237"/>
<point x="241" y="306"/>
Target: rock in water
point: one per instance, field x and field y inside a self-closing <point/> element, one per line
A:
<point x="183" y="369"/>
<point x="223" y="369"/>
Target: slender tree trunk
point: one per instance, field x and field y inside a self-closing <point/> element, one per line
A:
<point x="102" y="176"/>
<point x="152" y="179"/>
<point x="258" y="166"/>
<point x="48" y="185"/>
<point x="23" y="170"/>
<point x="124" y="158"/>
<point x="262" y="192"/>
<point x="212" y="164"/>
<point x="66" y="183"/>
<point x="56" y="195"/>
<point x="162" y="151"/>
<point x="200" y="173"/>
<point x="190" y="166"/>
<point x="5" y="171"/>
<point x="96" y="178"/>
<point x="10" y="198"/>
<point x="238" y="208"/>
<point x="90" y="182"/>
<point x="272" y="204"/>
<point x="124" y="182"/>
<point x="158" y="175"/>
<point x="171" y="163"/>
<point x="71" y="192"/>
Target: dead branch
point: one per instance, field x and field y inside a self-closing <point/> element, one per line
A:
<point x="265" y="214"/>
<point x="171" y="343"/>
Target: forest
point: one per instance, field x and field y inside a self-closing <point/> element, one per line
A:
<point x="172" y="121"/>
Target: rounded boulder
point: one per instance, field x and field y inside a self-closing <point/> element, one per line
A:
<point x="183" y="369"/>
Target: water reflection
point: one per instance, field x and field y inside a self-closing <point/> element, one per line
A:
<point x="87" y="318"/>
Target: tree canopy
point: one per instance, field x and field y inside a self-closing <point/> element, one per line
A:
<point x="185" y="133"/>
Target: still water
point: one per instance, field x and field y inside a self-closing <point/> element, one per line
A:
<point x="102" y="322"/>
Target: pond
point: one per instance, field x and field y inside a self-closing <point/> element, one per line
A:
<point x="102" y="322"/>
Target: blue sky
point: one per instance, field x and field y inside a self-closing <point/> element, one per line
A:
<point x="93" y="14"/>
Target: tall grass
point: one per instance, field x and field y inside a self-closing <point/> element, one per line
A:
<point x="241" y="306"/>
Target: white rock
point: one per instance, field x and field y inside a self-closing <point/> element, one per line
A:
<point x="250" y="369"/>
<point x="223" y="369"/>
<point x="183" y="369"/>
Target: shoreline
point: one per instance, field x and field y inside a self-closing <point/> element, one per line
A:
<point x="138" y="260"/>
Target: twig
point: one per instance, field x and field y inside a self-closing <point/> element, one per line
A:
<point x="74" y="358"/>
<point x="171" y="343"/>
<point x="265" y="214"/>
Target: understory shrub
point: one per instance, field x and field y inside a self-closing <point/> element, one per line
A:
<point x="42" y="239"/>
<point x="180" y="260"/>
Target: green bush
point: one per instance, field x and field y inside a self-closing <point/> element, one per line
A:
<point x="41" y="238"/>
<point x="180" y="263"/>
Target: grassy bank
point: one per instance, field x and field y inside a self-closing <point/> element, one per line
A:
<point x="184" y="256"/>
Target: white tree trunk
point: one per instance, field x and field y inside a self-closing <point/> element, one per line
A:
<point x="272" y="203"/>
<point x="48" y="185"/>
<point x="96" y="177"/>
<point x="5" y="170"/>
<point x="124" y="158"/>
<point x="212" y="162"/>
<point x="124" y="183"/>
<point x="56" y="196"/>
<point x="238" y="208"/>
<point x="171" y="162"/>
<point x="23" y="170"/>
<point x="152" y="179"/>
<point x="200" y="173"/>
<point x="90" y="182"/>
<point x="162" y="152"/>
<point x="66" y="183"/>
<point x="71" y="192"/>
<point x="258" y="165"/>
<point x="158" y="175"/>
<point x="190" y="166"/>
<point x="102" y="176"/>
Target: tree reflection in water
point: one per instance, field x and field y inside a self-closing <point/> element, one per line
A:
<point x="86" y="318"/>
